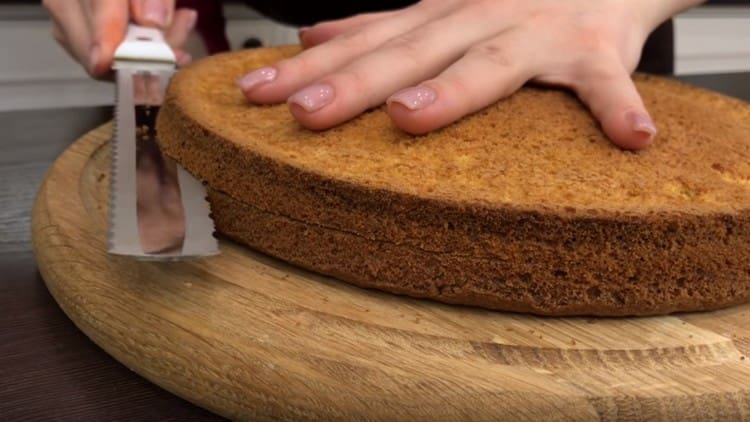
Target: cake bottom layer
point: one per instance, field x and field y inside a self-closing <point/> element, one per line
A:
<point x="469" y="280"/>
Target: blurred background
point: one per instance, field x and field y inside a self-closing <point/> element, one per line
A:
<point x="35" y="73"/>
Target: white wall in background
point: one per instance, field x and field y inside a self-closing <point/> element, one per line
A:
<point x="712" y="40"/>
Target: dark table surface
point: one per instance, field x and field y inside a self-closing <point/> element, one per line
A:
<point x="49" y="370"/>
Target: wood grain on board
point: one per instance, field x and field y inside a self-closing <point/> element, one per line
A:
<point x="250" y="337"/>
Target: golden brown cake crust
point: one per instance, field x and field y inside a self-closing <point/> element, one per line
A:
<point x="524" y="206"/>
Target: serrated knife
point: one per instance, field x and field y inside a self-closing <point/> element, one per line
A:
<point x="157" y="209"/>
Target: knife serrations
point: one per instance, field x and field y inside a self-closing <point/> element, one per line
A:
<point x="123" y="234"/>
<point x="113" y="178"/>
<point x="157" y="209"/>
<point x="199" y="227"/>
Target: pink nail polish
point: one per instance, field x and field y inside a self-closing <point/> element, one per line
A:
<point x="314" y="97"/>
<point x="184" y="60"/>
<point x="415" y="98"/>
<point x="257" y="77"/>
<point x="641" y="122"/>
<point x="155" y="11"/>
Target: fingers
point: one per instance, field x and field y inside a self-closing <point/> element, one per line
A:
<point x="182" y="57"/>
<point x="182" y="24"/>
<point x="108" y="20"/>
<point x="157" y="13"/>
<point x="275" y="84"/>
<point x="71" y="28"/>
<point x="404" y="61"/>
<point x="493" y="71"/>
<point x="177" y="34"/>
<point x="89" y="30"/>
<point x="59" y="36"/>
<point x="490" y="71"/>
<point x="607" y="88"/>
<point x="325" y="31"/>
<point x="460" y="56"/>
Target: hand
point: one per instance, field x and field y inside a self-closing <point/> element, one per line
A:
<point x="91" y="30"/>
<point x="439" y="60"/>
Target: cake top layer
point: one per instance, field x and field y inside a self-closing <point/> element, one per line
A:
<point x="539" y="149"/>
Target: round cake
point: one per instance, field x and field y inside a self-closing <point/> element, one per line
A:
<point x="524" y="206"/>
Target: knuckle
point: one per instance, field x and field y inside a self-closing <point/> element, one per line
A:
<point x="408" y="46"/>
<point x="493" y="53"/>
<point x="57" y="35"/>
<point x="301" y="64"/>
<point x="360" y="82"/>
<point x="456" y="88"/>
<point x="351" y="40"/>
<point x="602" y="62"/>
<point x="595" y="66"/>
<point x="356" y="81"/>
<point x="594" y="38"/>
<point x="408" y="40"/>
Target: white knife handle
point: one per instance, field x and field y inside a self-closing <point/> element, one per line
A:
<point x="144" y="45"/>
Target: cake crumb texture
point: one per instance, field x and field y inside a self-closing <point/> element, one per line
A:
<point x="523" y="206"/>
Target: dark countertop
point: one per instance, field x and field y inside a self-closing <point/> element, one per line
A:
<point x="49" y="370"/>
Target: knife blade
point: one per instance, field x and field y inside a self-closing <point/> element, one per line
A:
<point x="157" y="209"/>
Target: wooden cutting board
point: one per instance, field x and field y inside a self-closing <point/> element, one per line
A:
<point x="250" y="337"/>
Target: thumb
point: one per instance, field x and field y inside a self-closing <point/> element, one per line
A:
<point x="613" y="99"/>
<point x="156" y="13"/>
<point x="109" y="20"/>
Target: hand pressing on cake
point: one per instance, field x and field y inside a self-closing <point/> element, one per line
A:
<point x="439" y="60"/>
<point x="91" y="30"/>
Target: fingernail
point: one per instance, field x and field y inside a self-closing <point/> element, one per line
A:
<point x="94" y="58"/>
<point x="641" y="122"/>
<point x="415" y="98"/>
<point x="184" y="59"/>
<point x="301" y="34"/>
<point x="313" y="97"/>
<point x="154" y="11"/>
<point x="193" y="19"/>
<point x="257" y="77"/>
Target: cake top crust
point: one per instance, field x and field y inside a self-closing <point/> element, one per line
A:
<point x="540" y="149"/>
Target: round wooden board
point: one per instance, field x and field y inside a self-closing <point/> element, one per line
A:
<point x="250" y="337"/>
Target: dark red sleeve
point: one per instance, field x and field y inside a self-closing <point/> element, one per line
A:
<point x="211" y="25"/>
<point x="657" y="57"/>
